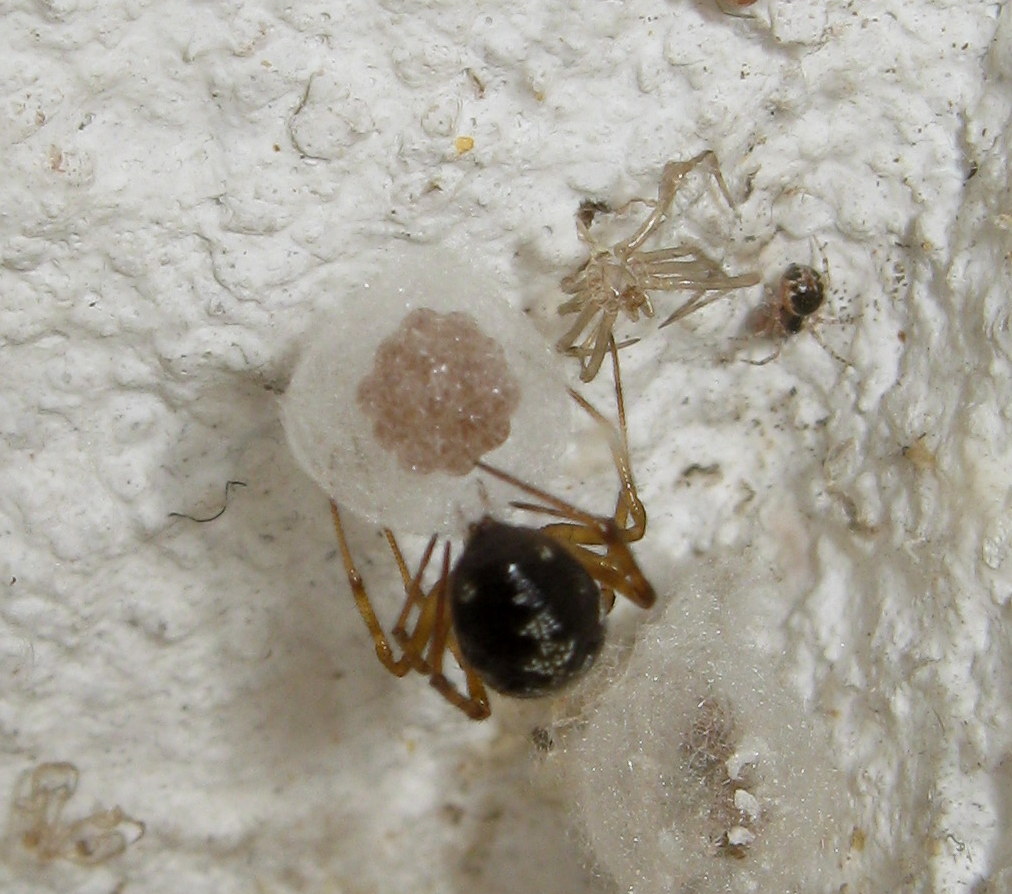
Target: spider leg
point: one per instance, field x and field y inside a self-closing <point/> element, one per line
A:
<point x="602" y="337"/>
<point x="397" y="666"/>
<point x="575" y="284"/>
<point x="671" y="179"/>
<point x="629" y="506"/>
<point x="415" y="595"/>
<point x="590" y="351"/>
<point x="582" y="321"/>
<point x="475" y="703"/>
<point x="825" y="347"/>
<point x="825" y="262"/>
<point x="697" y="301"/>
<point x="690" y="264"/>
<point x="617" y="570"/>
<point x="676" y="171"/>
<point x="704" y="279"/>
<point x="423" y="647"/>
<point x="624" y="209"/>
<point x="672" y="253"/>
<point x="765" y="360"/>
<point x="682" y="280"/>
<point x="656" y="217"/>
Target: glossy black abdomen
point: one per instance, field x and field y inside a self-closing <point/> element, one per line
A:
<point x="527" y="615"/>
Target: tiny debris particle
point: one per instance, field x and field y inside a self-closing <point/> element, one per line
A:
<point x="857" y="840"/>
<point x="463" y="145"/>
<point x="228" y="487"/>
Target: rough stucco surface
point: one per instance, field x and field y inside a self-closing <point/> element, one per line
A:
<point x="186" y="186"/>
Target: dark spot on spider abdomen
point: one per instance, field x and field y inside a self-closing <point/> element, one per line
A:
<point x="803" y="289"/>
<point x="792" y="323"/>
<point x="527" y="615"/>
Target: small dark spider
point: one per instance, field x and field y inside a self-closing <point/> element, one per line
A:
<point x="523" y="609"/>
<point x="792" y="305"/>
<point x="618" y="279"/>
<point x="801" y="293"/>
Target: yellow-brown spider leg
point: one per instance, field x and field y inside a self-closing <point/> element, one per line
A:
<point x="420" y="640"/>
<point x="415" y="595"/>
<point x="617" y="569"/>
<point x="397" y="666"/>
<point x="477" y="696"/>
<point x="618" y="572"/>
<point x="475" y="703"/>
<point x="629" y="504"/>
<point x="433" y="626"/>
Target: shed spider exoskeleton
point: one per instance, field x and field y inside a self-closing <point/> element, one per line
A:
<point x="522" y="609"/>
<point x="37" y="819"/>
<point x="617" y="279"/>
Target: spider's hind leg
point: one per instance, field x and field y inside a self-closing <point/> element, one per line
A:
<point x="425" y="645"/>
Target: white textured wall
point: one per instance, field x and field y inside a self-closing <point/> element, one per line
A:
<point x="185" y="185"/>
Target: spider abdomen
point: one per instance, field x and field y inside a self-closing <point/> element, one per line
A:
<point x="526" y="613"/>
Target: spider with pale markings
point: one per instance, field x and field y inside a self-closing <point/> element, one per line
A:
<point x="523" y="609"/>
<point x="618" y="279"/>
<point x="793" y="305"/>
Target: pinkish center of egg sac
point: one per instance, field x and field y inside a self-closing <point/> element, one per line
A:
<point x="440" y="393"/>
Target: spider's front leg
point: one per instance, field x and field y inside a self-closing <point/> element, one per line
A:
<point x="616" y="569"/>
